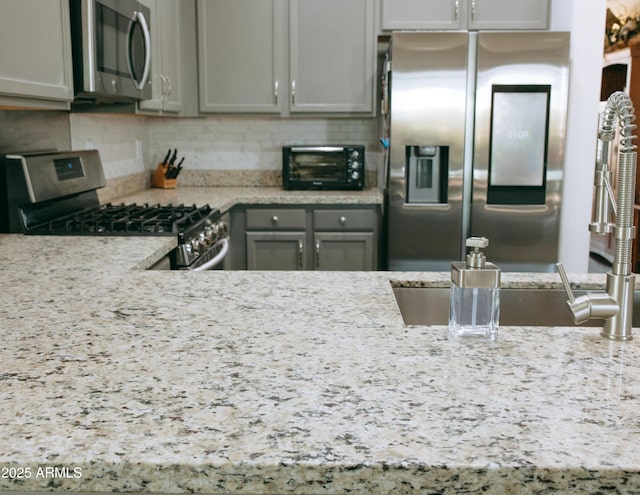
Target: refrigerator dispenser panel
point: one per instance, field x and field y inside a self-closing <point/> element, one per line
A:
<point x="427" y="174"/>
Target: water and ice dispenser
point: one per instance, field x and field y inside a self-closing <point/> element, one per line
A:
<point x="427" y="173"/>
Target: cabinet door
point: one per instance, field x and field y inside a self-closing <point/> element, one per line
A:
<point x="344" y="251"/>
<point x="421" y="14"/>
<point x="166" y="67"/>
<point x="275" y="250"/>
<point x="239" y="47"/>
<point x="172" y="67"/>
<point x="331" y="55"/>
<point x="35" y="58"/>
<point x="508" y="14"/>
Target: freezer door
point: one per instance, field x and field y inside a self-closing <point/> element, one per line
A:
<point x="428" y="94"/>
<point x="518" y="160"/>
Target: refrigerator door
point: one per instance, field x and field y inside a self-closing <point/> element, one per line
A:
<point x="521" y="105"/>
<point x="427" y="128"/>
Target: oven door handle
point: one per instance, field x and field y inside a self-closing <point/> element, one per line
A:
<point x="217" y="258"/>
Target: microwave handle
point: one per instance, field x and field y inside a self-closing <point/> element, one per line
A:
<point x="139" y="16"/>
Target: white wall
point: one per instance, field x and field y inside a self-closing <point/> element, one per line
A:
<point x="587" y="38"/>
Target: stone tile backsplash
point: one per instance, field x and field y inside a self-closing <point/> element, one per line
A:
<point x="247" y="147"/>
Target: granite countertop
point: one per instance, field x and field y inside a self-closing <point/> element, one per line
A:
<point x="120" y="379"/>
<point x="50" y="253"/>
<point x="224" y="198"/>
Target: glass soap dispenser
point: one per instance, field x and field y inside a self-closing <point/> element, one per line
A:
<point x="474" y="308"/>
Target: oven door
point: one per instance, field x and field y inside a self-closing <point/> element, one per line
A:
<point x="112" y="50"/>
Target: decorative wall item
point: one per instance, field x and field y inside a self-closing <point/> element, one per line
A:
<point x="622" y="24"/>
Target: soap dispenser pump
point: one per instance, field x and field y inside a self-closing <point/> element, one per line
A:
<point x="474" y="308"/>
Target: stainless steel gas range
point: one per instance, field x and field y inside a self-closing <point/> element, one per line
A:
<point x="55" y="193"/>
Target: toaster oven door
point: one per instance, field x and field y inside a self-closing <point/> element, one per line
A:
<point x="322" y="166"/>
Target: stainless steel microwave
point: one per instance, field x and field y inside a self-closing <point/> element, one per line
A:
<point x="111" y="45"/>
<point x="323" y="167"/>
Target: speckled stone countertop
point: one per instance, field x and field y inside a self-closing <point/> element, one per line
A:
<point x="225" y="198"/>
<point x="117" y="379"/>
<point x="50" y="253"/>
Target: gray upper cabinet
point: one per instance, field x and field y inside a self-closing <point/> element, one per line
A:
<point x="239" y="55"/>
<point x="331" y="50"/>
<point x="35" y="54"/>
<point x="465" y="14"/>
<point x="173" y="60"/>
<point x="251" y="60"/>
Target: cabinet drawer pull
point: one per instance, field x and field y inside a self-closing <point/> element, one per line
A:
<point x="456" y="10"/>
<point x="275" y="92"/>
<point x="317" y="254"/>
<point x="343" y="220"/>
<point x="274" y="219"/>
<point x="473" y="10"/>
<point x="293" y="92"/>
<point x="300" y="255"/>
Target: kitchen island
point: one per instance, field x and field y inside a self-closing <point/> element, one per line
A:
<point x="119" y="379"/>
<point x="294" y="382"/>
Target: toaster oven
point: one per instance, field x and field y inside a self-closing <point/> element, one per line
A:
<point x="323" y="167"/>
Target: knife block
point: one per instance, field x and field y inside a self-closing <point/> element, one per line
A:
<point x="160" y="181"/>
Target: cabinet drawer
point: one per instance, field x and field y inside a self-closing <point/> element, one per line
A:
<point x="364" y="219"/>
<point x="275" y="219"/>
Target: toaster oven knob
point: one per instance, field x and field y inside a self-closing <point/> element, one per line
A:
<point x="355" y="155"/>
<point x="355" y="165"/>
<point x="355" y="175"/>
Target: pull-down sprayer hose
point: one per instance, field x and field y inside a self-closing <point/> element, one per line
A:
<point x="619" y="104"/>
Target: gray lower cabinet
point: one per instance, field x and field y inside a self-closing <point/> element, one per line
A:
<point x="275" y="250"/>
<point x="309" y="238"/>
<point x="344" y="251"/>
<point x="35" y="58"/>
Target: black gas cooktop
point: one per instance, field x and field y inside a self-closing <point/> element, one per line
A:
<point x="121" y="219"/>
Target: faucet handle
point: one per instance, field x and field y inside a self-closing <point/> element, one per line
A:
<point x="565" y="282"/>
<point x="582" y="308"/>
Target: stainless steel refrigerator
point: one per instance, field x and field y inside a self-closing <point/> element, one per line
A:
<point x="474" y="124"/>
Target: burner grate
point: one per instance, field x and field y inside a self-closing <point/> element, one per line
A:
<point x="124" y="219"/>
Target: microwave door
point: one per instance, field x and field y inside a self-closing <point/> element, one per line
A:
<point x="122" y="49"/>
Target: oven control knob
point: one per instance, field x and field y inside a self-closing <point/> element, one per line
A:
<point x="355" y="165"/>
<point x="197" y="246"/>
<point x="355" y="175"/>
<point x="206" y="239"/>
<point x="355" y="155"/>
<point x="210" y="234"/>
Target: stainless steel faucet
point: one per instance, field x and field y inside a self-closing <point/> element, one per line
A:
<point x="615" y="305"/>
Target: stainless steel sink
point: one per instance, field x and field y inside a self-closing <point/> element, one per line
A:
<point x="518" y="307"/>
